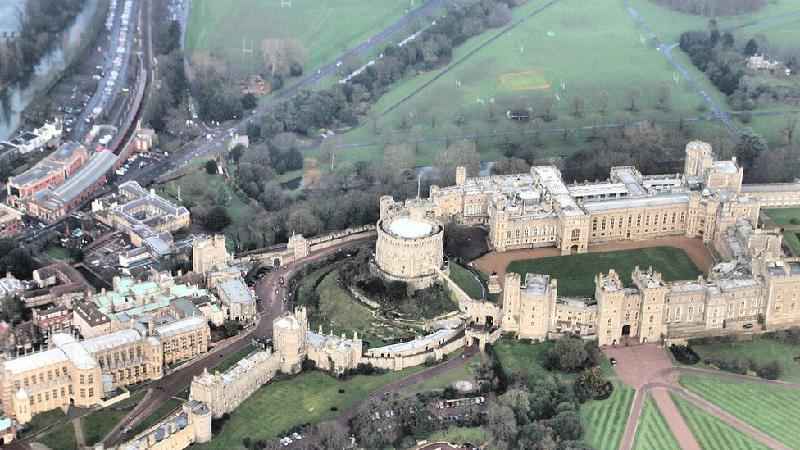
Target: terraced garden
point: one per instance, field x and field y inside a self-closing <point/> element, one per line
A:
<point x="605" y="420"/>
<point x="712" y="433"/>
<point x="653" y="431"/>
<point x="770" y="408"/>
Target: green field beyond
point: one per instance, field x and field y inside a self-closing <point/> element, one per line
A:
<point x="575" y="273"/>
<point x="789" y="219"/>
<point x="771" y="409"/>
<point x="605" y="419"/>
<point x="712" y="433"/>
<point x="323" y="28"/>
<point x="761" y="350"/>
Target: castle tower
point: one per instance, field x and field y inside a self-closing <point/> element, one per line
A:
<point x="200" y="417"/>
<point x="654" y="300"/>
<point x="699" y="158"/>
<point x="289" y="339"/>
<point x="511" y="299"/>
<point x="386" y="204"/>
<point x="461" y="175"/>
<point x="610" y="298"/>
<point x="299" y="245"/>
<point x="209" y="253"/>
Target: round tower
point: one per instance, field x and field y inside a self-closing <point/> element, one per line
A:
<point x="289" y="340"/>
<point x="200" y="417"/>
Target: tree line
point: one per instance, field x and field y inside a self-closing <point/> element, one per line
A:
<point x="41" y="23"/>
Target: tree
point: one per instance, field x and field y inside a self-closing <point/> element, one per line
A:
<point x="508" y="166"/>
<point x="602" y="102"/>
<point x="217" y="219"/>
<point x="633" y="96"/>
<point x="789" y="129"/>
<point x="501" y="423"/>
<point x="567" y="425"/>
<point x="578" y="105"/>
<point x="568" y="354"/>
<point x="460" y="153"/>
<point x="249" y="101"/>
<point x="211" y="167"/>
<point x="664" y="97"/>
<point x="331" y="436"/>
<point x="749" y="147"/>
<point x="751" y="48"/>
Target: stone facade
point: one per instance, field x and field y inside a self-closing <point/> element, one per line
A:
<point x="209" y="254"/>
<point x="410" y="247"/>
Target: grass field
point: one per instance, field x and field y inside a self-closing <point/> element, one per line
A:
<point x="163" y="410"/>
<point x="460" y="435"/>
<point x="771" y="409"/>
<point x="466" y="281"/>
<point x="760" y="350"/>
<point x="443" y="380"/>
<point x="339" y="311"/>
<point x="712" y="433"/>
<point x="783" y="216"/>
<point x="653" y="431"/>
<point x="97" y="424"/>
<point x="61" y="437"/>
<point x="559" y="47"/>
<point x="231" y="359"/>
<point x="522" y="358"/>
<point x="575" y="273"/>
<point x="305" y="398"/>
<point x="605" y="420"/>
<point x="322" y="28"/>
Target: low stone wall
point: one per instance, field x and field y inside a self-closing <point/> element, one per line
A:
<point x="404" y="359"/>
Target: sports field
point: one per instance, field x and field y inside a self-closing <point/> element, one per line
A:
<point x="322" y="28"/>
<point x="605" y="420"/>
<point x="712" y="433"/>
<point x="769" y="408"/>
<point x="575" y="273"/>
<point x="653" y="431"/>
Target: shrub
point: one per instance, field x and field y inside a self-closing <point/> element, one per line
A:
<point x="684" y="354"/>
<point x="770" y="371"/>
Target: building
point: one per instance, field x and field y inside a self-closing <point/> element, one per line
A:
<point x="237" y="299"/>
<point x="10" y="286"/>
<point x="183" y="339"/>
<point x="51" y="171"/>
<point x="409" y="247"/>
<point x="147" y="218"/>
<point x="753" y="289"/>
<point x="53" y="203"/>
<point x="10" y="221"/>
<point x="189" y="424"/>
<point x="209" y="253"/>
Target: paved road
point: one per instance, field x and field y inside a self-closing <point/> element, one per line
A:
<point x="270" y="307"/>
<point x="717" y="110"/>
<point x="202" y="147"/>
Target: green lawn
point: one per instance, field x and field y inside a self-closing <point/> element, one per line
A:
<point x="58" y="253"/>
<point x="522" y="358"/>
<point x="605" y="420"/>
<point x="712" y="433"/>
<point x="466" y="281"/>
<point x="653" y="431"/>
<point x="562" y="44"/>
<point x="460" y="435"/>
<point x="165" y="409"/>
<point x="231" y="360"/>
<point x="575" y="273"/>
<point x="465" y="372"/>
<point x="322" y="28"/>
<point x="772" y="409"/>
<point x="61" y="437"/>
<point x="761" y="350"/>
<point x="97" y="424"/>
<point x="305" y="398"/>
<point x="783" y="216"/>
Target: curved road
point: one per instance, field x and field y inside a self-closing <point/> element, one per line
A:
<point x="270" y="307"/>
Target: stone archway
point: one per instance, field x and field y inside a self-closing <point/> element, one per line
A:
<point x="626" y="330"/>
<point x="276" y="262"/>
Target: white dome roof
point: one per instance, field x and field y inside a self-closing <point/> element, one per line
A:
<point x="406" y="227"/>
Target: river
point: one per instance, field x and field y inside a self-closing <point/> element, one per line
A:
<point x="15" y="99"/>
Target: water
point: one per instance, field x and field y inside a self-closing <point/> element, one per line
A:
<point x="15" y="99"/>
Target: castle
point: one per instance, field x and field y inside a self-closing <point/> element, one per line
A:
<point x="751" y="290"/>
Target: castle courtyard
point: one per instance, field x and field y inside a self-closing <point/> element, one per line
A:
<point x="498" y="262"/>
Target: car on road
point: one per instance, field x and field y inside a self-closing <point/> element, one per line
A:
<point x="613" y="361"/>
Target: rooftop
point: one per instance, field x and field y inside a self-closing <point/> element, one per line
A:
<point x="181" y="326"/>
<point x="660" y="200"/>
<point x="408" y="228"/>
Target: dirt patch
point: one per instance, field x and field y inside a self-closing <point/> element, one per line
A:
<point x="529" y="80"/>
<point x="639" y="365"/>
<point x="694" y="248"/>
